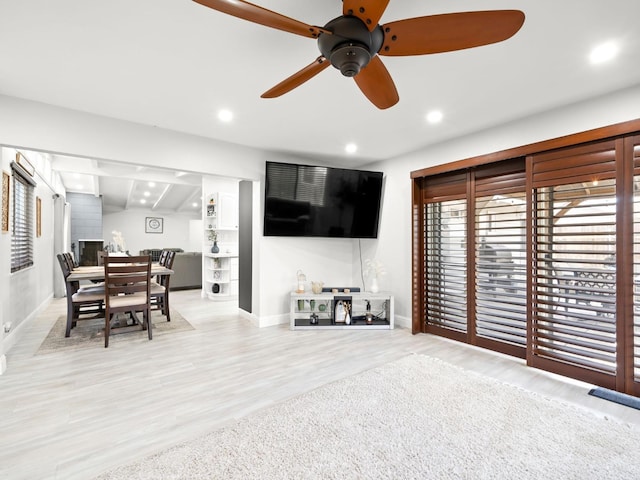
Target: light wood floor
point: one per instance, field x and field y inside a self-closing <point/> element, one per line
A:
<point x="74" y="415"/>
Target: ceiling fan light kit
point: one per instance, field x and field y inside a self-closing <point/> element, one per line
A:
<point x="353" y="42"/>
<point x="351" y="45"/>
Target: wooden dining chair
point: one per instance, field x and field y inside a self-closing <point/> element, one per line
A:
<point x="160" y="287"/>
<point x="87" y="300"/>
<point x="127" y="290"/>
<point x="70" y="261"/>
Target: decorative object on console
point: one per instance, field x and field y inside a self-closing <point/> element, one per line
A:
<point x="316" y="287"/>
<point x="342" y="310"/>
<point x="368" y="315"/>
<point x="373" y="269"/>
<point x="301" y="279"/>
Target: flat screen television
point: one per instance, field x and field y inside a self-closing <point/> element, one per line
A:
<point x="316" y="201"/>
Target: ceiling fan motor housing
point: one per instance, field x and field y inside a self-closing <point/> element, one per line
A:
<point x="351" y="46"/>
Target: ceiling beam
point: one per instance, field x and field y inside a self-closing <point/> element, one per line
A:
<point x="195" y="196"/>
<point x="127" y="205"/>
<point x="166" y="190"/>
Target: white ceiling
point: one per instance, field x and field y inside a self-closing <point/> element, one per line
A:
<point x="175" y="63"/>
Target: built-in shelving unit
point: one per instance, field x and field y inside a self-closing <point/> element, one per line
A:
<point x="220" y="268"/>
<point x="220" y="275"/>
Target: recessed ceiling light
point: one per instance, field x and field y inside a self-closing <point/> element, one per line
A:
<point x="225" y="115"/>
<point x="434" y="116"/>
<point x="351" y="148"/>
<point x="80" y="187"/>
<point x="142" y="200"/>
<point x="146" y="194"/>
<point x="603" y="52"/>
<point x="195" y="204"/>
<point x="152" y="184"/>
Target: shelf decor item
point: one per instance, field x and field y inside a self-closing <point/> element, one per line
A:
<point x="374" y="269"/>
<point x="342" y="310"/>
<point x="301" y="279"/>
<point x="213" y="237"/>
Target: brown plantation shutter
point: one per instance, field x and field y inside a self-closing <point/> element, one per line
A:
<point x="445" y="261"/>
<point x="574" y="267"/>
<point x="500" y="258"/>
<point x="635" y="367"/>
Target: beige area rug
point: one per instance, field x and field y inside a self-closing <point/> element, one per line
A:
<point x="90" y="333"/>
<point x="417" y="418"/>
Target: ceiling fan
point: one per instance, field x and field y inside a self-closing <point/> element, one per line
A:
<point x="354" y="41"/>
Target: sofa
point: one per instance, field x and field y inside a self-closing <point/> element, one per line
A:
<point x="187" y="268"/>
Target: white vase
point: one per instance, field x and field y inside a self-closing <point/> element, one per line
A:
<point x="373" y="288"/>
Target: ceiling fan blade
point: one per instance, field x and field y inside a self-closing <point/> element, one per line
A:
<point x="369" y="11"/>
<point x="449" y="32"/>
<point x="377" y="85"/>
<point x="297" y="79"/>
<point x="256" y="14"/>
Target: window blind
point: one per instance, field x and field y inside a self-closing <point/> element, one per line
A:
<point x="22" y="220"/>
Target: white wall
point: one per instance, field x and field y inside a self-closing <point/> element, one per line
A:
<point x="25" y="293"/>
<point x="176" y="230"/>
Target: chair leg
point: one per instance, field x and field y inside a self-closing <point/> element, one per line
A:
<point x="165" y="306"/>
<point x="147" y="316"/>
<point x="107" y="330"/>
<point x="70" y="311"/>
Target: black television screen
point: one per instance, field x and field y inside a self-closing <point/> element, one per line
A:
<point x="315" y="201"/>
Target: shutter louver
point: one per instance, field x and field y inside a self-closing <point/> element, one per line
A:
<point x="446" y="264"/>
<point x="636" y="259"/>
<point x="574" y="257"/>
<point x="500" y="269"/>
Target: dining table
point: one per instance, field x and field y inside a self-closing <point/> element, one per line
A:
<point x="97" y="273"/>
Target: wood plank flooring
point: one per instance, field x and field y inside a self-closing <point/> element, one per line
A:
<point x="75" y="414"/>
